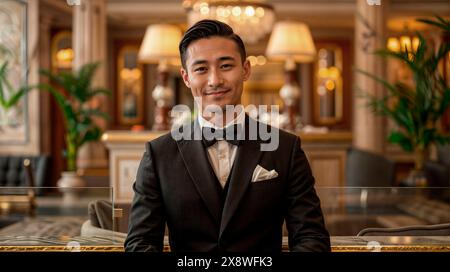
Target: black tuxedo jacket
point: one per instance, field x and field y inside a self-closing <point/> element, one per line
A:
<point x="175" y="184"/>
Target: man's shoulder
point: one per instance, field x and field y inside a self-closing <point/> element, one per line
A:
<point x="163" y="140"/>
<point x="173" y="136"/>
<point x="284" y="136"/>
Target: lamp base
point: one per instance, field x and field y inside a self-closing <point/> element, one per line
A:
<point x="161" y="121"/>
<point x="292" y="119"/>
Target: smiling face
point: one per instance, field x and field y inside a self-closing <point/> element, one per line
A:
<point x="215" y="71"/>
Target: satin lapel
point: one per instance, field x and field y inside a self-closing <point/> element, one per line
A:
<point x="195" y="158"/>
<point x="247" y="158"/>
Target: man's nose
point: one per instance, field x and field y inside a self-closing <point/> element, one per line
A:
<point x="215" y="78"/>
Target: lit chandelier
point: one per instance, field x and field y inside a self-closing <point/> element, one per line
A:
<point x="250" y="19"/>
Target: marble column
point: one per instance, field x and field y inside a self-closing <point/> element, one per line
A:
<point x="89" y="42"/>
<point x="368" y="129"/>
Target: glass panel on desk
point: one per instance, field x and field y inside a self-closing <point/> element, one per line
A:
<point x="69" y="218"/>
<point x="394" y="216"/>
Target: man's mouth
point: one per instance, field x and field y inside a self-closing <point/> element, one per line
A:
<point x="217" y="93"/>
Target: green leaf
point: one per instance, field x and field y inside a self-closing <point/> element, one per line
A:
<point x="14" y="95"/>
<point x="421" y="49"/>
<point x="440" y="23"/>
<point x="429" y="135"/>
<point x="442" y="140"/>
<point x="17" y="96"/>
<point x="52" y="77"/>
<point x="91" y="135"/>
<point x="95" y="112"/>
<point x="397" y="137"/>
<point x="63" y="104"/>
<point x="444" y="103"/>
<point x="2" y="76"/>
<point x="84" y="78"/>
<point x="402" y="56"/>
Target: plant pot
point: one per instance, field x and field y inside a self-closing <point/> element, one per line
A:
<point x="416" y="178"/>
<point x="71" y="185"/>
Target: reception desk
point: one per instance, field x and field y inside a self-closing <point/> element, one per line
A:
<point x="326" y="153"/>
<point x="351" y="215"/>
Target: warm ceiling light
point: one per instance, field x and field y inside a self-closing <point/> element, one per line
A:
<point x="250" y="19"/>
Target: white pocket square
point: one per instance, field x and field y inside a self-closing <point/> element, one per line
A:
<point x="260" y="174"/>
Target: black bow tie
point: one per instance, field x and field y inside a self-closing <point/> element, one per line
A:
<point x="230" y="134"/>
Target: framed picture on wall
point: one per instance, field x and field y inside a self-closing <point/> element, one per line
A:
<point x="331" y="92"/>
<point x="13" y="50"/>
<point x="62" y="51"/>
<point x="130" y="87"/>
<point x="328" y="85"/>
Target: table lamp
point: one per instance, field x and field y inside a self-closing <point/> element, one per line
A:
<point x="160" y="46"/>
<point x="291" y="42"/>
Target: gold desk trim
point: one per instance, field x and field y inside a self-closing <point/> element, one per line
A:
<point x="349" y="248"/>
<point x="403" y="248"/>
<point x="61" y="248"/>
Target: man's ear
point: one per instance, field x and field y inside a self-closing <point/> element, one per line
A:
<point x="247" y="69"/>
<point x="185" y="77"/>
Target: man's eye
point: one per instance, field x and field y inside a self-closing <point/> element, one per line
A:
<point x="226" y="66"/>
<point x="200" y="69"/>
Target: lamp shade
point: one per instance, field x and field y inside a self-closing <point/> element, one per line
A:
<point x="291" y="40"/>
<point x="160" y="42"/>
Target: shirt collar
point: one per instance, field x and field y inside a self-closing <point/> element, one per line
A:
<point x="240" y="119"/>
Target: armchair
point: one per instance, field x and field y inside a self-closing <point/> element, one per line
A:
<point x="419" y="230"/>
<point x="101" y="222"/>
<point x="438" y="172"/>
<point x="367" y="169"/>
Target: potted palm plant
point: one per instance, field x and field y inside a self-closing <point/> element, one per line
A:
<point x="416" y="109"/>
<point x="72" y="96"/>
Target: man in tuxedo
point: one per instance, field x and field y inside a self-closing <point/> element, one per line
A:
<point x="223" y="193"/>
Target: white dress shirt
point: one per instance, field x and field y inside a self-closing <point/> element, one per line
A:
<point x="222" y="154"/>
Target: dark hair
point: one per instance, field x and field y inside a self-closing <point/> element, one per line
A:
<point x="208" y="28"/>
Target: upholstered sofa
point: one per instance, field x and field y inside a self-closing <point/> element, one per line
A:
<point x="12" y="171"/>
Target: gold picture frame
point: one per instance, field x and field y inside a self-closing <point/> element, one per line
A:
<point x="62" y="46"/>
<point x="130" y="86"/>
<point x="328" y="92"/>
